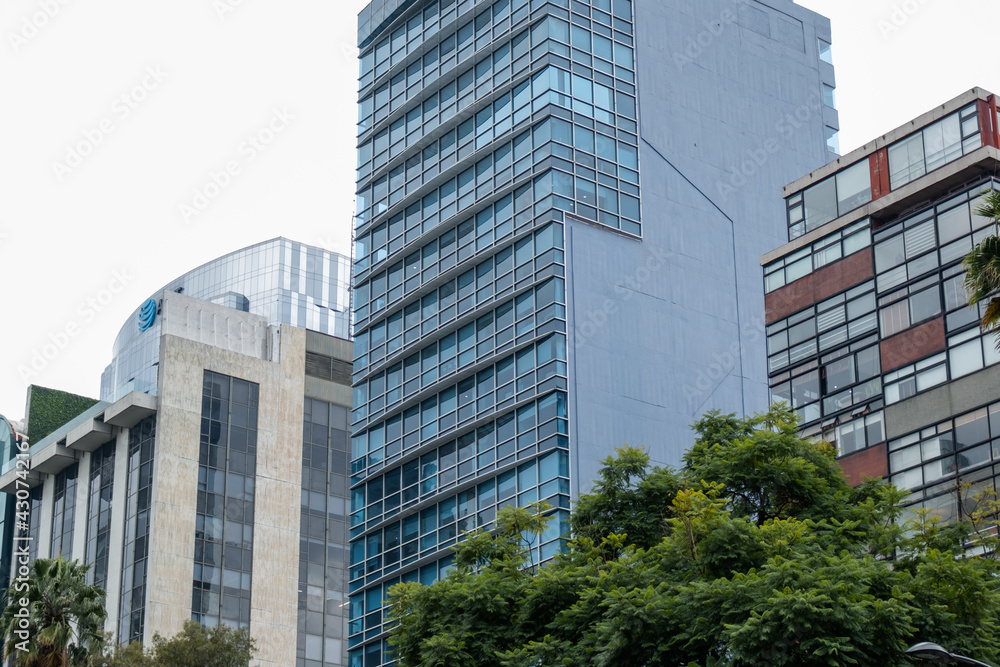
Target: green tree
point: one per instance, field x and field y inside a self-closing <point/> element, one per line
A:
<point x="629" y="499"/>
<point x="64" y="619"/>
<point x="756" y="553"/>
<point x="220" y="646"/>
<point x="982" y="266"/>
<point x="132" y="655"/>
<point x="478" y="600"/>
<point x="767" y="470"/>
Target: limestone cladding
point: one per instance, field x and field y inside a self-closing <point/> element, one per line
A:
<point x="199" y="335"/>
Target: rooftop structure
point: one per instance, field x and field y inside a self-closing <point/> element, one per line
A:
<point x="284" y="281"/>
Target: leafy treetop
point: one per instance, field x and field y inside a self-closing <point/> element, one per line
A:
<point x="219" y="646"/>
<point x="755" y="553"/>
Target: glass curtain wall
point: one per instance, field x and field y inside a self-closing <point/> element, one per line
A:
<point x="481" y="125"/>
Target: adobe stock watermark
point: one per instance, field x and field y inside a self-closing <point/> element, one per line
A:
<point x="349" y="51"/>
<point x="751" y="162"/>
<point x="224" y="8"/>
<point x="697" y="44"/>
<point x="32" y="24"/>
<point x="220" y="179"/>
<point x="49" y="348"/>
<point x="20" y="556"/>
<point x="76" y="152"/>
<point x="329" y="242"/>
<point x="900" y="15"/>
<point x="627" y="287"/>
<point x="708" y="378"/>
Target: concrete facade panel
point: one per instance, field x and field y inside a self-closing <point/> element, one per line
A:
<point x="931" y="407"/>
<point x="45" y="522"/>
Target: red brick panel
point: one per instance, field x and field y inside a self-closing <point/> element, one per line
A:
<point x="873" y="168"/>
<point x="986" y="122"/>
<point x="912" y="344"/>
<point x="878" y="164"/>
<point x="819" y="285"/>
<point x="870" y="462"/>
<point x="993" y="119"/>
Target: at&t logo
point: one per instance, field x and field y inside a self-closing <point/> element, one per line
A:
<point x="147" y="314"/>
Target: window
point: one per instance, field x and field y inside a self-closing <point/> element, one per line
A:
<point x="475" y="395"/>
<point x="909" y="380"/>
<point x="921" y="303"/>
<point x="850" y="379"/>
<point x="822" y="327"/>
<point x="825" y="52"/>
<point x="832" y="136"/>
<point x="933" y="147"/>
<point x="857" y="434"/>
<point x="801" y="263"/>
<point x="226" y="491"/>
<point x="970" y="351"/>
<point x="480" y="450"/>
<point x="829" y="96"/>
<point x="102" y="472"/>
<point x="830" y="198"/>
<point x="64" y="511"/>
<point x="953" y="447"/>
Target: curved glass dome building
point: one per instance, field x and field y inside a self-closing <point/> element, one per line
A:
<point x="285" y="281"/>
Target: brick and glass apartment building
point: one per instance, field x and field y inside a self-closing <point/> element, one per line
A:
<point x="869" y="333"/>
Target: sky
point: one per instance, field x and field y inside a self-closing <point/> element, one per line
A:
<point x="141" y="139"/>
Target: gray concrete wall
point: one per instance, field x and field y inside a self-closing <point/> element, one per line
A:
<point x="662" y="330"/>
<point x="214" y="325"/>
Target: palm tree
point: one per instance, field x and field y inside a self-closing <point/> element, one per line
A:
<point x="65" y="616"/>
<point x="982" y="266"/>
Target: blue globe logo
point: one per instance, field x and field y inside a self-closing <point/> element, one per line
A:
<point x="147" y="314"/>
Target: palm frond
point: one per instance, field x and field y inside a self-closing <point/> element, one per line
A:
<point x="66" y="615"/>
<point x="991" y="315"/>
<point x="982" y="265"/>
<point x="989" y="206"/>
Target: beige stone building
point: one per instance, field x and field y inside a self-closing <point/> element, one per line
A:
<point x="220" y="494"/>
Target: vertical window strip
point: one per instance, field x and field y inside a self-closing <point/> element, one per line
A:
<point x="132" y="617"/>
<point x="321" y="556"/>
<point x="102" y="473"/>
<point x="226" y="490"/>
<point x="64" y="512"/>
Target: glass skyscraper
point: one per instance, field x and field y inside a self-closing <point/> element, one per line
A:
<point x="525" y="301"/>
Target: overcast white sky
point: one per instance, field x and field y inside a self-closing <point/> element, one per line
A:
<point x="158" y="96"/>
